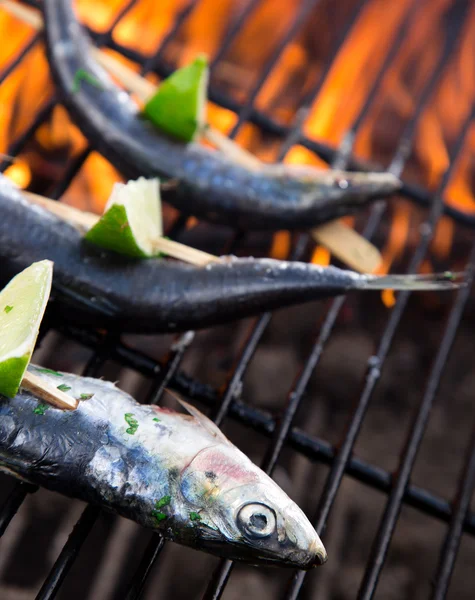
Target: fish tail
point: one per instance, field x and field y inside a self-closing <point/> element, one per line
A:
<point x="434" y="281"/>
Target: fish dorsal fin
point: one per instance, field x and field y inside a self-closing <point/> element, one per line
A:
<point x="202" y="419"/>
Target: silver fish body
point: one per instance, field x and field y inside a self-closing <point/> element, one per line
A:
<point x="209" y="185"/>
<point x="172" y="472"/>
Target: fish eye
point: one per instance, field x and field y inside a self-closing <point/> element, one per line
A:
<point x="342" y="183"/>
<point x="256" y="520"/>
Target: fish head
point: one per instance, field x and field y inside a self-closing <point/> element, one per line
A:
<point x="244" y="515"/>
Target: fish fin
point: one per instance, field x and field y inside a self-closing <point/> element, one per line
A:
<point x="435" y="281"/>
<point x="203" y="420"/>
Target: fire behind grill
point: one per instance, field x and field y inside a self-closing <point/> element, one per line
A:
<point x="362" y="414"/>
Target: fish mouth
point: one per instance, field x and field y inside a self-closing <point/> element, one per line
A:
<point x="319" y="555"/>
<point x="373" y="185"/>
<point x="304" y="560"/>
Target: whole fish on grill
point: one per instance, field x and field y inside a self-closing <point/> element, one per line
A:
<point x="98" y="288"/>
<point x="209" y="185"/>
<point x="174" y="473"/>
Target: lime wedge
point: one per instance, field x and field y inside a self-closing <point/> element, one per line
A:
<point x="22" y="306"/>
<point x="179" y="105"/>
<point x="132" y="219"/>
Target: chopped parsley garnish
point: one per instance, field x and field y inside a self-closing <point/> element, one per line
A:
<point x="8" y="309"/>
<point x="132" y="422"/>
<point x="40" y="409"/>
<point x="63" y="388"/>
<point x="49" y="372"/>
<point x="165" y="501"/>
<point x="194" y="516"/>
<point x="157" y="513"/>
<point x="83" y="75"/>
<point x="450" y="276"/>
<point x="85" y="396"/>
<point x="157" y="420"/>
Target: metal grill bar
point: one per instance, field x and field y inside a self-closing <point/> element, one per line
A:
<point x="450" y="548"/>
<point x="167" y="371"/>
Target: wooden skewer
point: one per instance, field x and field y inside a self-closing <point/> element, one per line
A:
<point x="37" y="386"/>
<point x="342" y="241"/>
<point x="82" y="220"/>
<point x="85" y="220"/>
<point x="184" y="253"/>
<point x="348" y="246"/>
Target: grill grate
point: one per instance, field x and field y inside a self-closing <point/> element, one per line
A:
<point x="283" y="432"/>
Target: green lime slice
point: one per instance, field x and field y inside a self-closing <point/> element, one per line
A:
<point x="179" y="105"/>
<point x="22" y="306"/>
<point x="132" y="219"/>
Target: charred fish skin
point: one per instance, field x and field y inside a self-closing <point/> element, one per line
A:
<point x="96" y="288"/>
<point x="209" y="185"/>
<point x="171" y="472"/>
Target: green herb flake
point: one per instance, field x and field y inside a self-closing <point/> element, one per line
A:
<point x="158" y="515"/>
<point x="83" y="75"/>
<point x="194" y="516"/>
<point x="448" y="275"/>
<point x="85" y="396"/>
<point x="63" y="387"/>
<point x="8" y="309"/>
<point x="157" y="420"/>
<point x="165" y="501"/>
<point x="40" y="409"/>
<point x="49" y="372"/>
<point x="132" y="422"/>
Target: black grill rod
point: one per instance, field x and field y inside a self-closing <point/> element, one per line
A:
<point x="91" y="513"/>
<point x="314" y="448"/>
<point x="298" y="22"/>
<point x="13" y="64"/>
<point x="341" y="159"/>
<point x="234" y="30"/>
<point x="393" y="507"/>
<point x="69" y="553"/>
<point x="150" y="64"/>
<point x="41" y="116"/>
<point x="448" y="555"/>
<point x="149" y="557"/>
<point x="106" y="36"/>
<point x="339" y="466"/>
<point x="13" y="502"/>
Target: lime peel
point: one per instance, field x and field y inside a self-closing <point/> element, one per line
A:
<point x="178" y="107"/>
<point x="132" y="220"/>
<point x="29" y="292"/>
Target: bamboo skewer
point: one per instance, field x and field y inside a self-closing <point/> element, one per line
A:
<point x="85" y="220"/>
<point x="348" y="245"/>
<point x="343" y="242"/>
<point x="47" y="392"/>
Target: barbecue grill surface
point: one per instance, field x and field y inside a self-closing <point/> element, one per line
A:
<point x="364" y="415"/>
